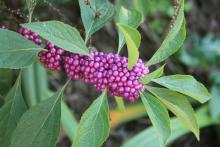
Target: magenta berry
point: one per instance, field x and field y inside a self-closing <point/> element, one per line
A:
<point x="107" y="71"/>
<point x="52" y="59"/>
<point x="30" y="35"/>
<point x="103" y="71"/>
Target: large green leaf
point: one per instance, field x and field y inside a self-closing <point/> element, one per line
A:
<point x="6" y="78"/>
<point x="148" y="137"/>
<point x="129" y="17"/>
<point x="156" y="74"/>
<point x="185" y="84"/>
<point x="68" y="121"/>
<point x="214" y="102"/>
<point x="95" y="15"/>
<point x="61" y="34"/>
<point x="179" y="105"/>
<point x="174" y="39"/>
<point x="16" y="51"/>
<point x="133" y="40"/>
<point x="40" y="125"/>
<point x="158" y="115"/>
<point x="94" y="126"/>
<point x="11" y="112"/>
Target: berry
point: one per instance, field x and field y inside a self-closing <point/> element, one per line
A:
<point x="107" y="71"/>
<point x="52" y="58"/>
<point x="30" y="35"/>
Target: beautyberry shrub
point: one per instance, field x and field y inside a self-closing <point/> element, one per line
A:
<point x="102" y="70"/>
<point x="107" y="71"/>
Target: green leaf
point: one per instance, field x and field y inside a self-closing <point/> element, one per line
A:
<point x="28" y="83"/>
<point x="156" y="74"/>
<point x="144" y="6"/>
<point x="174" y="39"/>
<point x="95" y="15"/>
<point x="131" y="18"/>
<point x="40" y="125"/>
<point x="185" y="84"/>
<point x="94" y="125"/>
<point x="11" y="112"/>
<point x="1" y="101"/>
<point x="120" y="103"/>
<point x="6" y="80"/>
<point x="158" y="115"/>
<point x="148" y="137"/>
<point x="179" y="105"/>
<point x="68" y="121"/>
<point x="61" y="34"/>
<point x="133" y="40"/>
<point x="16" y="51"/>
<point x="214" y="102"/>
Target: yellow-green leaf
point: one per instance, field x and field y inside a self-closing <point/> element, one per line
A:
<point x="133" y="40"/>
<point x="179" y="105"/>
<point x="156" y="74"/>
<point x="158" y="115"/>
<point x="187" y="85"/>
<point x="129" y="17"/>
<point x="120" y="103"/>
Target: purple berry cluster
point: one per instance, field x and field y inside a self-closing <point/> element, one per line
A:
<point x="102" y="70"/>
<point x="30" y="35"/>
<point x="52" y="58"/>
<point x="107" y="71"/>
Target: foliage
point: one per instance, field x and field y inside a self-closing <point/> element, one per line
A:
<point x="133" y="40"/>
<point x="153" y="75"/>
<point x="39" y="124"/>
<point x="60" y="34"/>
<point x="197" y="57"/>
<point x="95" y="14"/>
<point x="177" y="130"/>
<point x="35" y="126"/>
<point x="94" y="125"/>
<point x="129" y="17"/>
<point x="11" y="112"/>
<point x="18" y="53"/>
<point x="158" y="115"/>
<point x="174" y="40"/>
